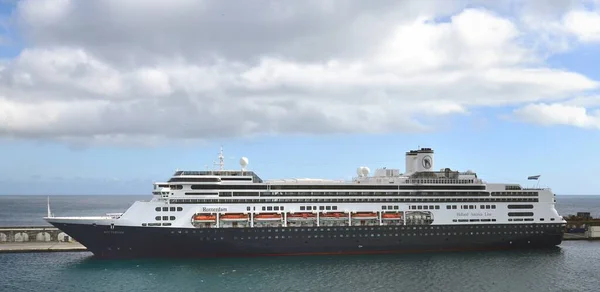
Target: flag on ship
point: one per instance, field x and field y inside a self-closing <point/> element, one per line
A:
<point x="535" y="177"/>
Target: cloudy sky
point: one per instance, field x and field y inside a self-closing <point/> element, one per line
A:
<point x="108" y="96"/>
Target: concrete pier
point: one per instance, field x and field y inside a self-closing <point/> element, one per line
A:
<point x="21" y="247"/>
<point x="36" y="239"/>
<point x="33" y="233"/>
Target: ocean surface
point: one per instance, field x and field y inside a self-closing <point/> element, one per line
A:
<point x="573" y="266"/>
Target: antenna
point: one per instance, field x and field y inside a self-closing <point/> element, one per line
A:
<point x="221" y="159"/>
<point x="221" y="163"/>
<point x="49" y="213"/>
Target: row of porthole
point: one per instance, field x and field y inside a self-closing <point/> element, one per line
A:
<point x="299" y="229"/>
<point x="409" y="228"/>
<point x="443" y="233"/>
<point x="398" y="235"/>
<point x="373" y="235"/>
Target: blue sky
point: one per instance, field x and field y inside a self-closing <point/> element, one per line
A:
<point x="110" y="104"/>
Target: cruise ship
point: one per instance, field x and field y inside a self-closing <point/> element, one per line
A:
<point x="220" y="212"/>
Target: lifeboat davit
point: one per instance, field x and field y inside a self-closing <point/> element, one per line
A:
<point x="267" y="217"/>
<point x="365" y="216"/>
<point x="234" y="217"/>
<point x="391" y="216"/>
<point x="205" y="218"/>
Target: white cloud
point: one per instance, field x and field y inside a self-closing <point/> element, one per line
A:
<point x="584" y="101"/>
<point x="585" y="25"/>
<point x="205" y="70"/>
<point x="559" y="114"/>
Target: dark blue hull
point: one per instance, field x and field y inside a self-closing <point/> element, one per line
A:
<point x="131" y="242"/>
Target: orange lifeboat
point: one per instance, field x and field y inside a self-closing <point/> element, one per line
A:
<point x="234" y="217"/>
<point x="307" y="216"/>
<point x="391" y="216"/>
<point x="334" y="215"/>
<point x="365" y="216"/>
<point x="267" y="217"/>
<point x="205" y="218"/>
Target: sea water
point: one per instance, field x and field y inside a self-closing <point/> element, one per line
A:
<point x="573" y="266"/>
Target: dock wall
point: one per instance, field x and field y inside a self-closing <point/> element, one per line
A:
<point x="32" y="234"/>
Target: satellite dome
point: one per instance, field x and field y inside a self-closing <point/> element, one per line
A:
<point x="365" y="171"/>
<point x="359" y="171"/>
<point x="243" y="162"/>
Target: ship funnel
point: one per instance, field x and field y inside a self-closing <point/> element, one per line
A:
<point x="419" y="160"/>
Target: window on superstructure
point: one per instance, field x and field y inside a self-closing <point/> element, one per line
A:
<point x="328" y="208"/>
<point x="157" y="209"/>
<point x="383" y="207"/>
<point x="425" y="207"/>
<point x="165" y="217"/>
<point x="454" y="207"/>
<point x="263" y="208"/>
<point x="157" y="218"/>
<point x="179" y="209"/>
<point x="520" y="213"/>
<point x="276" y="208"/>
<point x="334" y="208"/>
<point x="448" y="207"/>
<point x="247" y="208"/>
<point x="471" y="207"/>
<point x="302" y="208"/>
<point x="493" y="206"/>
<point x="172" y="218"/>
<point x="165" y="209"/>
<point x="269" y="208"/>
<point x="420" y="207"/>
<point x="437" y="207"/>
<point x="172" y="209"/>
<point x="281" y="208"/>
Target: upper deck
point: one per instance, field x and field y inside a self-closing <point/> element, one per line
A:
<point x="216" y="176"/>
<point x="419" y="174"/>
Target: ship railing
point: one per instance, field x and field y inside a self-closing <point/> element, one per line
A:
<point x="443" y="181"/>
<point x="417" y="181"/>
<point x="114" y="215"/>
